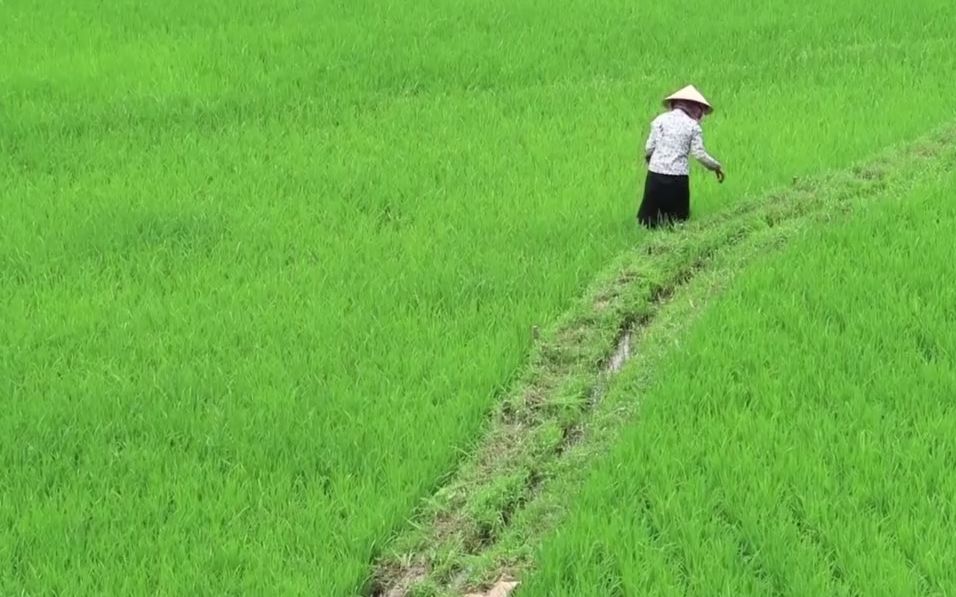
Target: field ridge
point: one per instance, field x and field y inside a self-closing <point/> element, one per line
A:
<point x="475" y="528"/>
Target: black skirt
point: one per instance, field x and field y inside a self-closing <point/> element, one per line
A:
<point x="666" y="199"/>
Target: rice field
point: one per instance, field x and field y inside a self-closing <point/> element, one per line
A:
<point x="799" y="441"/>
<point x="266" y="267"/>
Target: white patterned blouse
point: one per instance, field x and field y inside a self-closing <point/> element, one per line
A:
<point x="675" y="135"/>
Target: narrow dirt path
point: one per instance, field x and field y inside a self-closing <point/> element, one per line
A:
<point x="478" y="531"/>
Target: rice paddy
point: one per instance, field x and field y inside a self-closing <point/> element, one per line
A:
<point x="798" y="441"/>
<point x="267" y="268"/>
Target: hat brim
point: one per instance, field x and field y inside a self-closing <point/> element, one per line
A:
<point x="707" y="107"/>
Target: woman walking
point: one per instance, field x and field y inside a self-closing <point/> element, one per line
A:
<point x="675" y="135"/>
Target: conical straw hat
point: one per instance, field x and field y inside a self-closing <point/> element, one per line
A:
<point x="691" y="94"/>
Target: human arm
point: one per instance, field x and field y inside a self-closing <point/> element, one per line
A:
<point x="651" y="143"/>
<point x="699" y="152"/>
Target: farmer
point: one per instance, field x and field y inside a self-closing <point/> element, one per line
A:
<point x="674" y="135"/>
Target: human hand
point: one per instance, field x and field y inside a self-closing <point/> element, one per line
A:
<point x="720" y="174"/>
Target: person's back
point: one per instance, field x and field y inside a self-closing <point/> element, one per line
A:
<point x="675" y="136"/>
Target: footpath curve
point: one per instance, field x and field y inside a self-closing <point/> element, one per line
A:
<point x="480" y="528"/>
